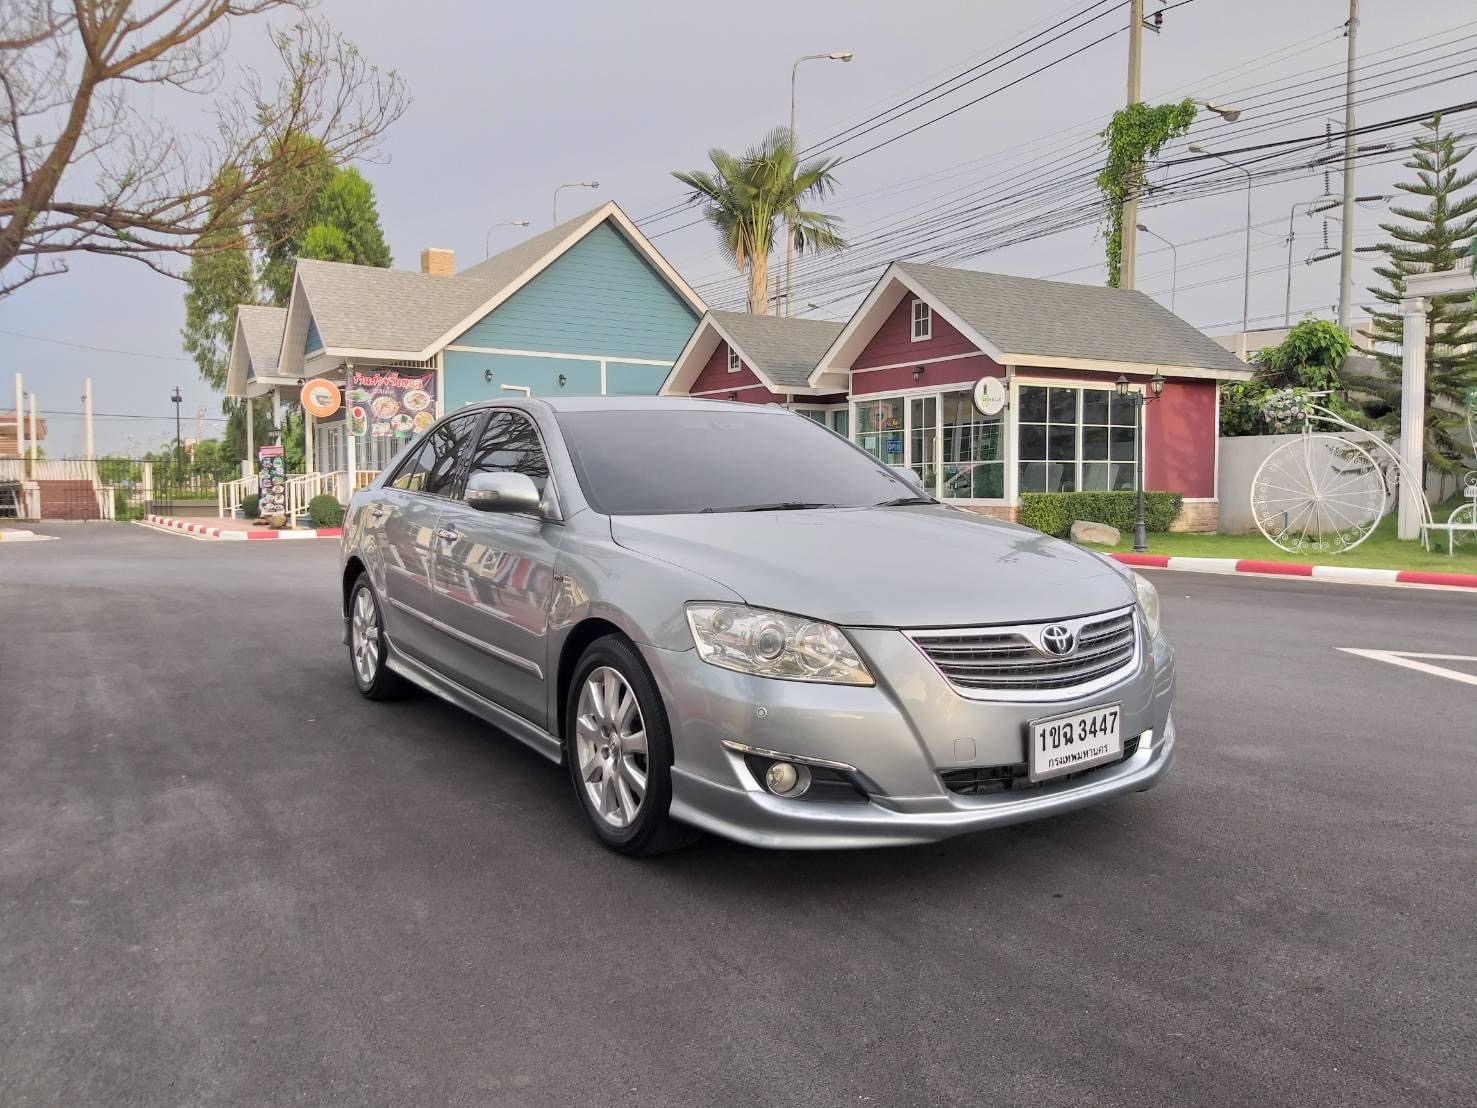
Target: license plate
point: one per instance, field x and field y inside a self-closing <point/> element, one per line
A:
<point x="1066" y="744"/>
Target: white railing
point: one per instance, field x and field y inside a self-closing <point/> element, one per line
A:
<point x="303" y="487"/>
<point x="64" y="469"/>
<point x="363" y="478"/>
<point x="230" y="494"/>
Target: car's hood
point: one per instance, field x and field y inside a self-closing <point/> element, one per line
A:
<point x="912" y="566"/>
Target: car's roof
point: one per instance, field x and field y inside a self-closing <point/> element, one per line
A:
<point x="628" y="404"/>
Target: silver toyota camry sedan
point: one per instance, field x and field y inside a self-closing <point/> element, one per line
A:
<point x="725" y="617"/>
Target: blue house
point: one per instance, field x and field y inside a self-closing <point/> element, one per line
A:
<point x="588" y="307"/>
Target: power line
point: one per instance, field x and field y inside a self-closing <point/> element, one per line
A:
<point x="96" y="349"/>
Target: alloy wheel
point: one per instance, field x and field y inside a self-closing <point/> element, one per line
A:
<point x="364" y="638"/>
<point x="610" y="747"/>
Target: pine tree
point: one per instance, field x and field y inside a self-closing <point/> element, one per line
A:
<point x="1433" y="237"/>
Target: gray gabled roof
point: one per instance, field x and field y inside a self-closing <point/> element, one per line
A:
<point x="1056" y="319"/>
<point x="261" y="327"/>
<point x="360" y="307"/>
<point x="506" y="266"/>
<point x="784" y="349"/>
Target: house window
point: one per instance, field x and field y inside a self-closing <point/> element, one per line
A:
<point x="735" y="363"/>
<point x="973" y="450"/>
<point x="924" y="441"/>
<point x="922" y="321"/>
<point x="840" y="423"/>
<point x="1075" y="438"/>
<point x="879" y="429"/>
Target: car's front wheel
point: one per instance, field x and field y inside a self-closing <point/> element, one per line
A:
<point x="367" y="645"/>
<point x="619" y="750"/>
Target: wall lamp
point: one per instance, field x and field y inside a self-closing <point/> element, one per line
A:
<point x="733" y="396"/>
<point x="917" y="374"/>
<point x="563" y="380"/>
<point x="487" y="376"/>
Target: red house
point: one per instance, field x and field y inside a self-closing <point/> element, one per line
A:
<point x="898" y="379"/>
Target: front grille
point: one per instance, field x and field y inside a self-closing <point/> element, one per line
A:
<point x="1007" y="660"/>
<point x="984" y="780"/>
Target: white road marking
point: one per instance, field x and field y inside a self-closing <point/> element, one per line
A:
<point x="1411" y="660"/>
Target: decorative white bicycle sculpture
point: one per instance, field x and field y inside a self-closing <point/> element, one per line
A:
<point x="1326" y="490"/>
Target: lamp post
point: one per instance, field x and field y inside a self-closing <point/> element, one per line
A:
<point x="487" y="242"/>
<point x="571" y="185"/>
<point x="1138" y="400"/>
<point x="834" y="56"/>
<point x="1174" y="264"/>
<point x="179" y="449"/>
<point x="1246" y="275"/>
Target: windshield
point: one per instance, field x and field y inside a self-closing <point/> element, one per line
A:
<point x="663" y="462"/>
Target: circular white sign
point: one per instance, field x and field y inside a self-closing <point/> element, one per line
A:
<point x="989" y="395"/>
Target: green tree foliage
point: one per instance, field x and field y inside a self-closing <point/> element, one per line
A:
<point x="216" y="282"/>
<point x="1309" y="360"/>
<point x="746" y="198"/>
<point x="1134" y="134"/>
<point x="1433" y="236"/>
<point x="337" y="221"/>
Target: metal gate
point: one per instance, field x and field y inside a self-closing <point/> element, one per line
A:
<point x="85" y="489"/>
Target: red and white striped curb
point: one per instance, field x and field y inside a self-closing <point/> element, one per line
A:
<point x="230" y="534"/>
<point x="1293" y="569"/>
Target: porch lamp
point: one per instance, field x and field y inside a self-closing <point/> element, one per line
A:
<point x="1138" y="400"/>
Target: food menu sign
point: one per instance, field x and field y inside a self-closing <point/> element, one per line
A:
<point x="385" y="403"/>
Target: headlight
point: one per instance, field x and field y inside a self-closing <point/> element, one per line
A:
<point x="1148" y="604"/>
<point x="773" y="644"/>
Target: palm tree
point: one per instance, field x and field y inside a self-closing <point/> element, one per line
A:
<point x="747" y="197"/>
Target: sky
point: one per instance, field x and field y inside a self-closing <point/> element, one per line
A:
<point x="510" y="101"/>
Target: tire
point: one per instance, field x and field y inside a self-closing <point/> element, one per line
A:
<point x="606" y="766"/>
<point x="374" y="679"/>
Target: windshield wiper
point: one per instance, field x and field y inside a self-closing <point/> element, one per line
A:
<point x="902" y="500"/>
<point x="781" y="506"/>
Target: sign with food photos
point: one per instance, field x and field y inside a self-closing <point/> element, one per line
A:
<point x="389" y="403"/>
<point x="272" y="481"/>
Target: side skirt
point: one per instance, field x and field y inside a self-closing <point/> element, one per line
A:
<point x="527" y="733"/>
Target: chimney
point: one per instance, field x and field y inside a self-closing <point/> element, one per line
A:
<point x="437" y="262"/>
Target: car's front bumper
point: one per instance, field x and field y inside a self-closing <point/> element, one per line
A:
<point x="899" y="737"/>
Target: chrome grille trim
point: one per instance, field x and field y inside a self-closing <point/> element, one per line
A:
<point x="1009" y="663"/>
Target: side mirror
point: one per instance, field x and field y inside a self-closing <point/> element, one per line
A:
<point x="502" y="492"/>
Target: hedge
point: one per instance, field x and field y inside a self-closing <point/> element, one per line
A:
<point x="325" y="511"/>
<point x="1055" y="512"/>
<point x="249" y="505"/>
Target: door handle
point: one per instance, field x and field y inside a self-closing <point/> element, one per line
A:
<point x="445" y="534"/>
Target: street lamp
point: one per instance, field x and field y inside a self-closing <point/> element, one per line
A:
<point x="1174" y="266"/>
<point x="179" y="449"/>
<point x="1138" y="400"/>
<point x="1246" y="275"/>
<point x="834" y="56"/>
<point x="487" y="242"/>
<point x="1229" y="114"/>
<point x="571" y="185"/>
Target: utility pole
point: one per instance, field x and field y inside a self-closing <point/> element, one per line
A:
<point x="199" y="428"/>
<point x="87" y="416"/>
<point x="20" y="418"/>
<point x="1346" y="256"/>
<point x="1128" y="240"/>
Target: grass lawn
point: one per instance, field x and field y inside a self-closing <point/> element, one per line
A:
<point x="1382" y="550"/>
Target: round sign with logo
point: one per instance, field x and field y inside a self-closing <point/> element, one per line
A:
<point x="321" y="398"/>
<point x="989" y="396"/>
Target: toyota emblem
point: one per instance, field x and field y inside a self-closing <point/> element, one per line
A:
<point x="1058" y="639"/>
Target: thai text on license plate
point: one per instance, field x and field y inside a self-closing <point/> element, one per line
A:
<point x="1066" y="744"/>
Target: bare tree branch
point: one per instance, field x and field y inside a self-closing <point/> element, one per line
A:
<point x="67" y="75"/>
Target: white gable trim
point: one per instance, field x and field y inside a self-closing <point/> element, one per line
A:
<point x="238" y="363"/>
<point x="610" y="211"/>
<point x="889" y="291"/>
<point x="1094" y="365"/>
<point x="295" y="331"/>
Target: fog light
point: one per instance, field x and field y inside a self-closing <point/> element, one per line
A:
<point x="787" y="779"/>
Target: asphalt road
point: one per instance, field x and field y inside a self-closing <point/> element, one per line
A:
<point x="227" y="880"/>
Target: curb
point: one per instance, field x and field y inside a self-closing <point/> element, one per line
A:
<point x="16" y="534"/>
<point x="1352" y="574"/>
<point x="231" y="535"/>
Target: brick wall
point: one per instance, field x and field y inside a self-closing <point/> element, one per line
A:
<point x="1198" y="516"/>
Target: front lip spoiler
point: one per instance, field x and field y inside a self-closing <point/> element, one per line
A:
<point x="758" y="819"/>
<point x="780" y="756"/>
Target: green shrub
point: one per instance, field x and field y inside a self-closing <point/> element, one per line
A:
<point x="249" y="505"/>
<point x="1054" y="512"/>
<point x="325" y="511"/>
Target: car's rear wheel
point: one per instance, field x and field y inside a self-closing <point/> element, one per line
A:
<point x="619" y="750"/>
<point x="367" y="645"/>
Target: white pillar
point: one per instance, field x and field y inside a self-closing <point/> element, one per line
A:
<point x="349" y="457"/>
<point x="250" y="436"/>
<point x="20" y="418"/>
<point x="33" y="428"/>
<point x="309" y="428"/>
<point x="1413" y="418"/>
<point x="87" y="416"/>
